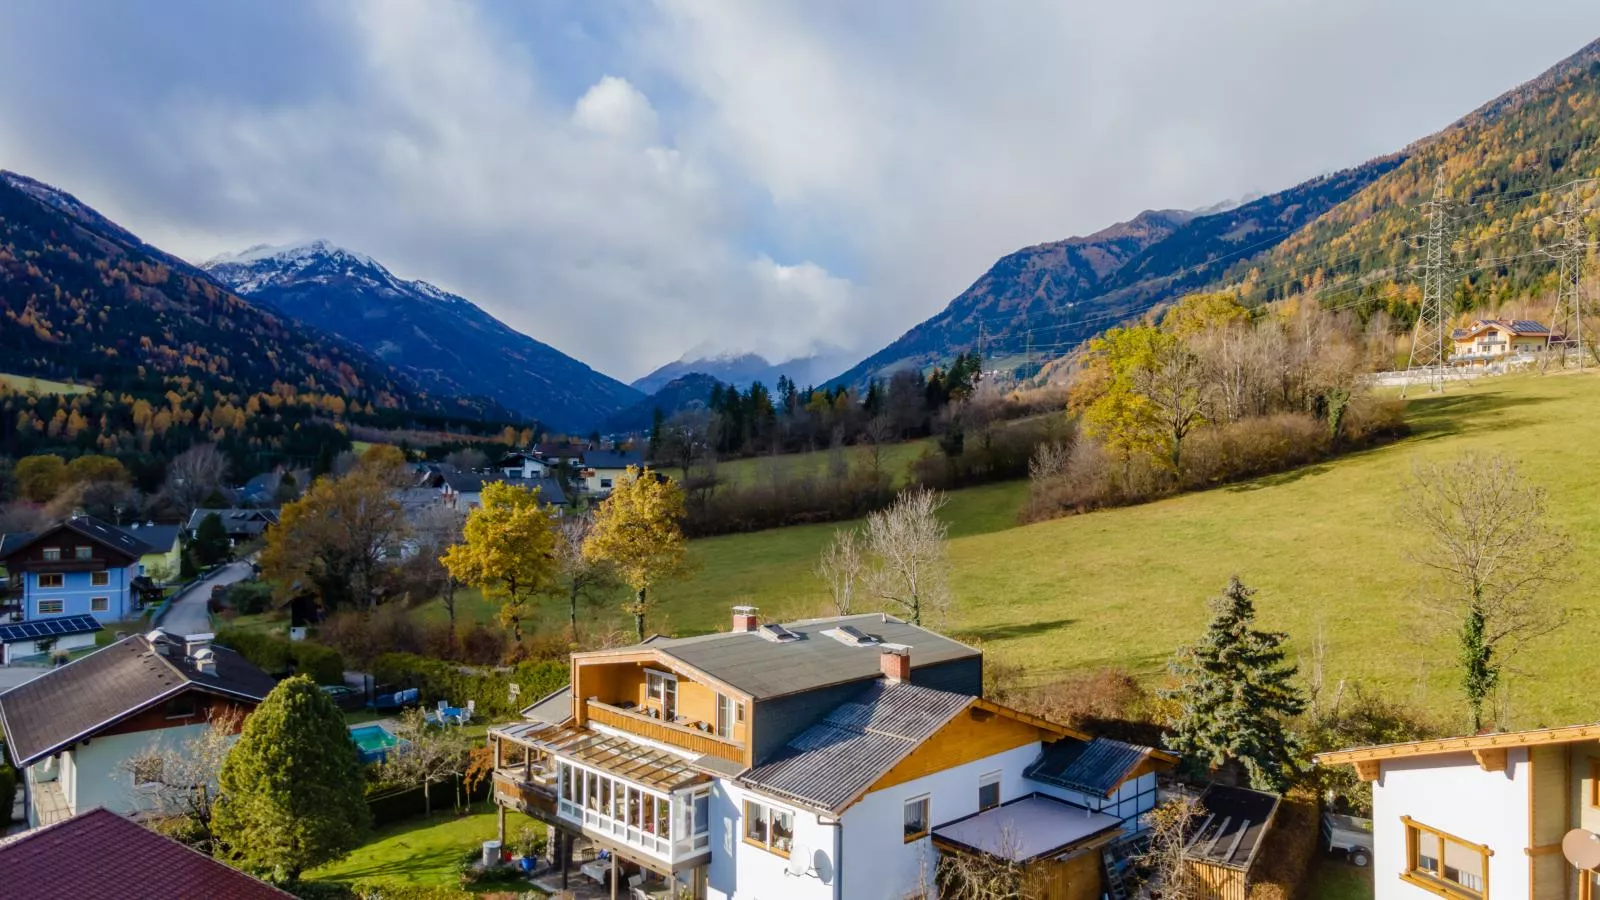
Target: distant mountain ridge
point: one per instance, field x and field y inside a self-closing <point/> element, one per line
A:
<point x="744" y="369"/>
<point x="443" y="340"/>
<point x="683" y="393"/>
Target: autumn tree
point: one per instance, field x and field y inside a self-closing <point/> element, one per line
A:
<point x="909" y="570"/>
<point x="1115" y="410"/>
<point x="335" y="538"/>
<point x="94" y="467"/>
<point x="508" y="550"/>
<point x="1235" y="695"/>
<point x="431" y="754"/>
<point x="1198" y="313"/>
<point x="1172" y="382"/>
<point x="576" y="574"/>
<point x="292" y="789"/>
<point x="39" y="478"/>
<point x="638" y="531"/>
<point x="1492" y="554"/>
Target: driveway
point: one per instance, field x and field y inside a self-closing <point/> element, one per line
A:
<point x="188" y="612"/>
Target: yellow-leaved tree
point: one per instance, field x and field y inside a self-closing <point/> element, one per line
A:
<point x="637" y="531"/>
<point x="507" y="550"/>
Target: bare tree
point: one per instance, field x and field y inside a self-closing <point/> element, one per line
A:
<point x="907" y="542"/>
<point x="842" y="567"/>
<point x="437" y="528"/>
<point x="467" y="459"/>
<point x="576" y="576"/>
<point x="1049" y="461"/>
<point x="180" y="782"/>
<point x="194" y="475"/>
<point x="1175" y="385"/>
<point x="431" y="754"/>
<point x="994" y="873"/>
<point x="1493" y="555"/>
<point x="878" y="431"/>
<point x="1165" y="856"/>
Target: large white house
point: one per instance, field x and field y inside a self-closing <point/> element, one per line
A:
<point x="71" y="730"/>
<point x="836" y="758"/>
<point x="1513" y="815"/>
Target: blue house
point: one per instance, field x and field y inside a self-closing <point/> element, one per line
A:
<point x="76" y="575"/>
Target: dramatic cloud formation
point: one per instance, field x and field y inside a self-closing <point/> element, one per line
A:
<point x="627" y="182"/>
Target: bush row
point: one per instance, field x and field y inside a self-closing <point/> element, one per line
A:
<point x="279" y="656"/>
<point x="490" y="688"/>
<point x="363" y="635"/>
<point x="389" y="804"/>
<point x="781" y="501"/>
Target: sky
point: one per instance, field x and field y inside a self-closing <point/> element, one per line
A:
<point x="627" y="181"/>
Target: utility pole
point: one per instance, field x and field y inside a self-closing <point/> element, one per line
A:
<point x="1567" y="320"/>
<point x="1428" y="349"/>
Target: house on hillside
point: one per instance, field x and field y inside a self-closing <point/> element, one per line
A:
<point x="1497" y="340"/>
<point x="76" y="575"/>
<point x="524" y="465"/>
<point x="166" y="550"/>
<point x="603" y="468"/>
<point x="464" y="490"/>
<point x="71" y="730"/>
<point x="831" y="758"/>
<point x="98" y="853"/>
<point x="242" y="525"/>
<point x="1515" y="813"/>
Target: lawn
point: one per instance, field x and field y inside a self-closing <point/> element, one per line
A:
<point x="896" y="461"/>
<point x="1338" y="880"/>
<point x="414" y="851"/>
<point x="32" y="385"/>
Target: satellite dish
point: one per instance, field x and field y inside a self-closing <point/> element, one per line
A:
<point x="799" y="861"/>
<point x="823" y="867"/>
<point x="1582" y="849"/>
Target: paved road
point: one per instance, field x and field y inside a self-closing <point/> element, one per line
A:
<point x="188" y="612"/>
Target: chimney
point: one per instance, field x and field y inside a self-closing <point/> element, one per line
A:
<point x="896" y="663"/>
<point x="205" y="661"/>
<point x="746" y="618"/>
<point x="193" y="644"/>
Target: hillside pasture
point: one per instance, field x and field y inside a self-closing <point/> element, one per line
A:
<point x="28" y="384"/>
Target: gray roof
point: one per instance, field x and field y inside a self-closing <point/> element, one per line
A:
<point x="236" y="521"/>
<point x="10" y="542"/>
<point x="612" y="459"/>
<point x="160" y="538"/>
<point x="1094" y="767"/>
<point x="763" y="668"/>
<point x="103" y="533"/>
<point x="829" y="765"/>
<point x="66" y="705"/>
<point x="554" y="708"/>
<point x="1028" y="828"/>
<point x="1232" y="825"/>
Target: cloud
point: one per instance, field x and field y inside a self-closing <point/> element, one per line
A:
<point x="628" y="182"/>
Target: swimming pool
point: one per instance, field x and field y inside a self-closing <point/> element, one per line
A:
<point x="373" y="741"/>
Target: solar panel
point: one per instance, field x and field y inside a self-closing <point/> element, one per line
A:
<point x="43" y="628"/>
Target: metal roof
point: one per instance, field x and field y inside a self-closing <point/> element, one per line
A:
<point x="832" y="763"/>
<point x="763" y="668"/>
<point x="613" y="754"/>
<point x="1233" y="822"/>
<point x="1094" y="767"/>
<point x="555" y="708"/>
<point x="1028" y="828"/>
<point x="90" y="528"/>
<point x="41" y="629"/>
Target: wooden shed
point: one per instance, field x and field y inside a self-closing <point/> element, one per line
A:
<point x="1227" y="836"/>
<point x="1038" y="847"/>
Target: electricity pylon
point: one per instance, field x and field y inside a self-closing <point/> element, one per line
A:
<point x="1428" y="341"/>
<point x="1566" y="323"/>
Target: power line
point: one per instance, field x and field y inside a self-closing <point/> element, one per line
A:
<point x="1427" y="340"/>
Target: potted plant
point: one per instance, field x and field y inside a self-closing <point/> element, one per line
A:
<point x="529" y="844"/>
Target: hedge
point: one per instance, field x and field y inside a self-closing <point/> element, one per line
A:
<point x="395" y="804"/>
<point x="458" y="684"/>
<point x="277" y="656"/>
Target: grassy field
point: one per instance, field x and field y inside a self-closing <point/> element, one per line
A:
<point x="1322" y="545"/>
<point x="1338" y="880"/>
<point x="415" y="851"/>
<point x="34" y="385"/>
<point x="897" y="459"/>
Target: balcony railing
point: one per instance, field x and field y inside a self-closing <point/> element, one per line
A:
<point x="692" y="739"/>
<point x="529" y="793"/>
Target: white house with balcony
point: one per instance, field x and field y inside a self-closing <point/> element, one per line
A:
<point x="835" y="758"/>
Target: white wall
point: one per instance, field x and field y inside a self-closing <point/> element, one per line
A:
<point x="1453" y="794"/>
<point x="740" y="871"/>
<point x="95" y="776"/>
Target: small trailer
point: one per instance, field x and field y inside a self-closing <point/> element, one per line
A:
<point x="1350" y="834"/>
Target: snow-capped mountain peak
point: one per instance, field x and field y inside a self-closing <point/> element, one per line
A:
<point x="320" y="260"/>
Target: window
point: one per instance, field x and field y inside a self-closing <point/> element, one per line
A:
<point x="1444" y="864"/>
<point x="605" y="484"/>
<point x="916" y="818"/>
<point x="988" y="791"/>
<point x="768" y="827"/>
<point x="99" y="579"/>
<point x="50" y="607"/>
<point x="99" y="604"/>
<point x="729" y="711"/>
<point x="662" y="688"/>
<point x="181" y="706"/>
<point x="52" y="554"/>
<point x="51" y="580"/>
<point x="84" y="553"/>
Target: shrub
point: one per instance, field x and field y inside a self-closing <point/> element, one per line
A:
<point x="490" y="688"/>
<point x="1289" y="849"/>
<point x="279" y="656"/>
<point x="8" y="787"/>
<point x="250" y="598"/>
<point x="1358" y="717"/>
<point x="323" y="664"/>
<point x="363" y="634"/>
<point x="482" y="644"/>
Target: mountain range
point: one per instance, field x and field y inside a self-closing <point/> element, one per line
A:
<point x="448" y="344"/>
<point x="1508" y="164"/>
<point x="744" y="369"/>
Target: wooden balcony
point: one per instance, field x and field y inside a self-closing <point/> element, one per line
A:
<point x="515" y="790"/>
<point x="692" y="739"/>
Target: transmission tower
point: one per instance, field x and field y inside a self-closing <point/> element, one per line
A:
<point x="1428" y="341"/>
<point x="1566" y="324"/>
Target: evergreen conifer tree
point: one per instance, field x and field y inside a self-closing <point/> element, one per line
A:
<point x="1235" y="695"/>
<point x="211" y="541"/>
<point x="292" y="790"/>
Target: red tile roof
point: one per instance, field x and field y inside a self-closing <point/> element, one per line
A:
<point x="101" y="854"/>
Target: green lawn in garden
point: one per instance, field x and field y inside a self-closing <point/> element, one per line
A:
<point x="419" y="850"/>
<point x="1338" y="880"/>
<point x="1322" y="544"/>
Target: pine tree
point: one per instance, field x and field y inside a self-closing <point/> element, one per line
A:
<point x="1235" y="694"/>
<point x="210" y="544"/>
<point x="292" y="787"/>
